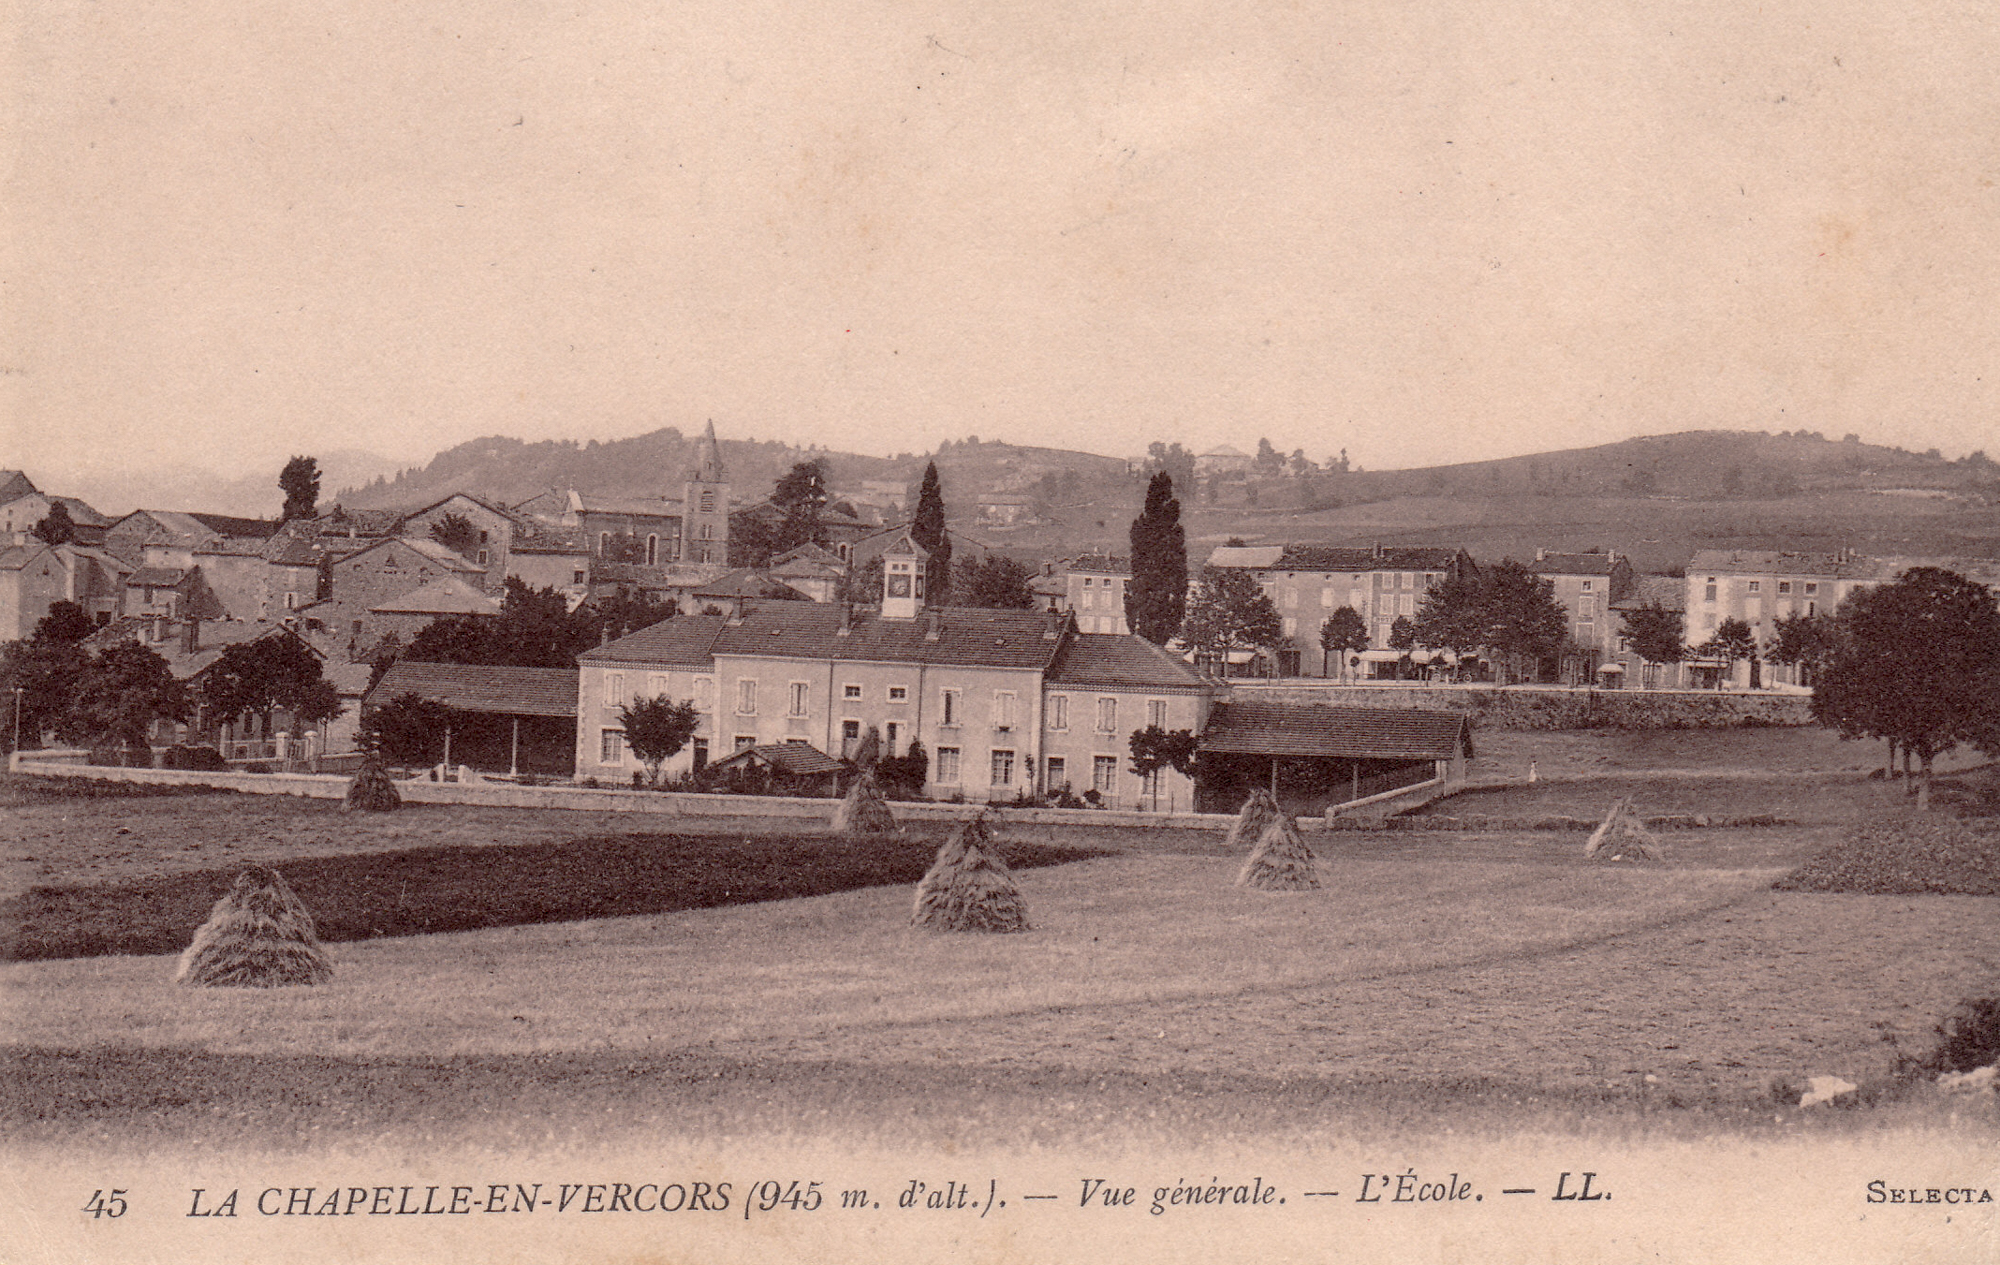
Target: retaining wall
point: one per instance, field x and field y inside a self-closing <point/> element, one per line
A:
<point x="1517" y="707"/>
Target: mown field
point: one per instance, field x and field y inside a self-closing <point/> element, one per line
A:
<point x="1491" y="977"/>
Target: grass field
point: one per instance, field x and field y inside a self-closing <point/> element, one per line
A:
<point x="1472" y="976"/>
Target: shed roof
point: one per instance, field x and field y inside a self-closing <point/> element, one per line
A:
<point x="481" y="688"/>
<point x="1370" y="733"/>
<point x="796" y="758"/>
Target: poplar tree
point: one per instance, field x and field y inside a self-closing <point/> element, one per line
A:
<point x="1156" y="600"/>
<point x="927" y="528"/>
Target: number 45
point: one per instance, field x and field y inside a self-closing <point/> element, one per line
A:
<point x="99" y="1206"/>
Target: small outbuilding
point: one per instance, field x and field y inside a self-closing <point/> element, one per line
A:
<point x="512" y="720"/>
<point x="778" y="768"/>
<point x="1313" y="758"/>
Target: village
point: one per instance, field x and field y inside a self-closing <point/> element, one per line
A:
<point x="794" y="626"/>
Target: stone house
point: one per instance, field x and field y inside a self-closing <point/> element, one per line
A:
<point x="1307" y="583"/>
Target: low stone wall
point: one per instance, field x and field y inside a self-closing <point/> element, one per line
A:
<point x="1518" y="707"/>
<point x="748" y="810"/>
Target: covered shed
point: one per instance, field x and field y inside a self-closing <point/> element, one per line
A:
<point x="521" y="720"/>
<point x="1314" y="757"/>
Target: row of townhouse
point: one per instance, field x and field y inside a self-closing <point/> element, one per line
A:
<point x="1004" y="702"/>
<point x="1307" y="583"/>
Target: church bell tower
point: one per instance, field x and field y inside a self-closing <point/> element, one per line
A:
<point x="705" y="506"/>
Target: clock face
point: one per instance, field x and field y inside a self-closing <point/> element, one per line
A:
<point x="899" y="586"/>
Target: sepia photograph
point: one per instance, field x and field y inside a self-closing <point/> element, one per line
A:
<point x="676" y="631"/>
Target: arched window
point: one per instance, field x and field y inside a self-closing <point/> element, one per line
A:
<point x="652" y="551"/>
<point x="603" y="543"/>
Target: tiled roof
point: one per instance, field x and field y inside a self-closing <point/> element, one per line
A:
<point x="1333" y="558"/>
<point x="447" y="596"/>
<point x="1110" y="661"/>
<point x="1369" y="733"/>
<point x="808" y="552"/>
<point x="745" y="582"/>
<point x="14" y="485"/>
<point x="479" y="688"/>
<point x="681" y="642"/>
<point x="1669" y="592"/>
<point x="796" y="758"/>
<point x="1101" y="564"/>
<point x="1246" y="556"/>
<point x="547" y="539"/>
<point x="1572" y="564"/>
<point x="290" y="551"/>
<point x="965" y="635"/>
<point x="14" y="557"/>
<point x="651" y="506"/>
<point x="158" y="577"/>
<point x="227" y="525"/>
<point x="1765" y="562"/>
<point x="81" y="513"/>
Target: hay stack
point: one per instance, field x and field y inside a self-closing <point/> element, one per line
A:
<point x="372" y="789"/>
<point x="1259" y="811"/>
<point x="968" y="887"/>
<point x="259" y="935"/>
<point x="1623" y="837"/>
<point x="864" y="812"/>
<point x="1281" y="861"/>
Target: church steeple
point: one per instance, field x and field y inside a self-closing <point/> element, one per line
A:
<point x="705" y="505"/>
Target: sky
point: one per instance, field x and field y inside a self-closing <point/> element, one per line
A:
<point x="1422" y="232"/>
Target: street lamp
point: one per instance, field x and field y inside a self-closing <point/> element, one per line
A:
<point x="18" y="691"/>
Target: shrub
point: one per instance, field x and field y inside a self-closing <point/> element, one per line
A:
<point x="194" y="759"/>
<point x="1969" y="1037"/>
<point x="131" y="756"/>
<point x="259" y="767"/>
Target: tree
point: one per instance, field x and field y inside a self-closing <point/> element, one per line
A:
<point x="657" y="728"/>
<point x="1732" y="641"/>
<point x="456" y="533"/>
<point x="927" y="528"/>
<point x="65" y="622"/>
<point x="1657" y="634"/>
<point x="535" y="629"/>
<point x="1507" y="609"/>
<point x="1229" y="611"/>
<point x="1154" y="748"/>
<point x="279" y="671"/>
<point x="1525" y="621"/>
<point x="299" y="481"/>
<point x="1269" y="460"/>
<point x="861" y="585"/>
<point x="1805" y="641"/>
<point x="48" y="673"/>
<point x="1340" y="632"/>
<point x="1172" y="460"/>
<point x="1453" y="614"/>
<point x="119" y="694"/>
<point x="1156" y="599"/>
<point x="800" y="495"/>
<point x="1403" y="633"/>
<point x="406" y="730"/>
<point x="56" y="527"/>
<point x="996" y="581"/>
<point x="1916" y="662"/>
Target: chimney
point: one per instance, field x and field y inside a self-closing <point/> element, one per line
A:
<point x="604" y="636"/>
<point x="1052" y="627"/>
<point x="934" y="627"/>
<point x="846" y="628"/>
<point x="1541" y="555"/>
<point x="1378" y="550"/>
<point x="193" y="642"/>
